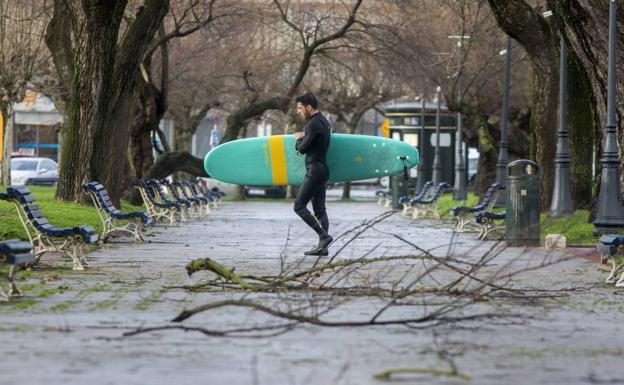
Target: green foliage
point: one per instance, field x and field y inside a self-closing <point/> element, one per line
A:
<point x="446" y="203"/>
<point x="575" y="227"/>
<point x="62" y="214"/>
<point x="23" y="303"/>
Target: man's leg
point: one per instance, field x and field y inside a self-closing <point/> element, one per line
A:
<point x="306" y="192"/>
<point x="318" y="205"/>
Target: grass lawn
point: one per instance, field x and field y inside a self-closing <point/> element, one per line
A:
<point x="446" y="203"/>
<point x="575" y="227"/>
<point x="61" y="214"/>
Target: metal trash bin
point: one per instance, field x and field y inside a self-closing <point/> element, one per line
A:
<point x="398" y="187"/>
<point x="522" y="216"/>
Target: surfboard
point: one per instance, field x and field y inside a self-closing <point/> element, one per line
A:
<point x="273" y="160"/>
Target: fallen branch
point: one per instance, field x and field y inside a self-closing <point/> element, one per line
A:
<point x="387" y="374"/>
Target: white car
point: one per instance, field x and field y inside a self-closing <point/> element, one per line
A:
<point x="33" y="170"/>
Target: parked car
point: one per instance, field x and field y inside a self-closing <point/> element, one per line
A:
<point x="376" y="182"/>
<point x="273" y="192"/>
<point x="33" y="170"/>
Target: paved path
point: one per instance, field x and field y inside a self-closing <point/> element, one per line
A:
<point x="67" y="329"/>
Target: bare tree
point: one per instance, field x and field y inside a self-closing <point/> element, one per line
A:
<point x="184" y="20"/>
<point x="314" y="30"/>
<point x="22" y="58"/>
<point x="353" y="82"/>
<point x="584" y="25"/>
<point x="527" y="26"/>
<point x="425" y="56"/>
<point x="97" y="48"/>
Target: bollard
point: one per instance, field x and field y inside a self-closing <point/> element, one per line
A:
<point x="398" y="186"/>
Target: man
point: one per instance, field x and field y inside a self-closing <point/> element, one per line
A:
<point x="314" y="142"/>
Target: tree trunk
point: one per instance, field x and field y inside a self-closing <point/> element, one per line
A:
<point x="581" y="127"/>
<point x="183" y="138"/>
<point x="7" y="122"/>
<point x="527" y="26"/>
<point x="346" y="191"/>
<point x="238" y="120"/>
<point x="585" y="26"/>
<point x="147" y="115"/>
<point x="142" y="153"/>
<point x="99" y="71"/>
<point x="171" y="162"/>
<point x="488" y="156"/>
<point x="543" y="144"/>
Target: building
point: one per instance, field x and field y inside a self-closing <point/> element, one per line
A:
<point x="36" y="126"/>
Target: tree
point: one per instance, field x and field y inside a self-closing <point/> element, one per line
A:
<point x="527" y="26"/>
<point x="314" y="33"/>
<point x="424" y="56"/>
<point x="97" y="48"/>
<point x="23" y="57"/>
<point x="183" y="21"/>
<point x="584" y="25"/>
<point x="353" y="82"/>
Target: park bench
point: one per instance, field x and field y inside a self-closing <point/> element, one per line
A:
<point x="382" y="195"/>
<point x="464" y="214"/>
<point x="408" y="205"/>
<point x="112" y="218"/>
<point x="214" y="195"/>
<point x="204" y="202"/>
<point x="170" y="192"/>
<point x="15" y="253"/>
<point x="196" y="204"/>
<point x="166" y="196"/>
<point x="608" y="247"/>
<point x="489" y="222"/>
<point x="429" y="206"/>
<point x="156" y="207"/>
<point x="44" y="236"/>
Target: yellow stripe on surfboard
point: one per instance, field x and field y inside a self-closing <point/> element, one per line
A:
<point x="278" y="160"/>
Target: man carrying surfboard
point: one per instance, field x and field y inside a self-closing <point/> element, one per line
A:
<point x="313" y="141"/>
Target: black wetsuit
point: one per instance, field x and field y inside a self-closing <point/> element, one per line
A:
<point x="314" y="145"/>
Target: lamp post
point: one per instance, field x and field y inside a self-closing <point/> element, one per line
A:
<point x="501" y="163"/>
<point x="421" y="147"/>
<point x="562" y="196"/>
<point x="610" y="213"/>
<point x="437" y="164"/>
<point x="459" y="192"/>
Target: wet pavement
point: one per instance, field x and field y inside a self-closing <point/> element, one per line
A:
<point x="68" y="327"/>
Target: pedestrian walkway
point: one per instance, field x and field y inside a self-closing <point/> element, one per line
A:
<point x="68" y="328"/>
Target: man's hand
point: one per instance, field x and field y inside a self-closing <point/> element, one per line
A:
<point x="299" y="135"/>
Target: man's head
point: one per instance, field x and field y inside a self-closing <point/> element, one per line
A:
<point x="306" y="105"/>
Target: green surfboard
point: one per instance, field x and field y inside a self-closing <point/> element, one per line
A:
<point x="273" y="160"/>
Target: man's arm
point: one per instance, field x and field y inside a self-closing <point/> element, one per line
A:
<point x="310" y="132"/>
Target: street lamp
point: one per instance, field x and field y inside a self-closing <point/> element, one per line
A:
<point x="610" y="213"/>
<point x="459" y="192"/>
<point x="501" y="163"/>
<point x="421" y="147"/>
<point x="437" y="164"/>
<point x="561" y="203"/>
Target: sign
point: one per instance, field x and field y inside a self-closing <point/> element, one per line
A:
<point x="215" y="137"/>
<point x="385" y="128"/>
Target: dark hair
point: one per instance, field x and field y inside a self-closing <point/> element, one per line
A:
<point x="308" y="99"/>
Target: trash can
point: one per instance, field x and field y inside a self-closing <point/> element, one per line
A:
<point x="398" y="187"/>
<point x="522" y="216"/>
